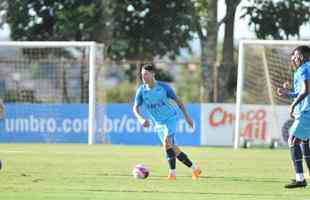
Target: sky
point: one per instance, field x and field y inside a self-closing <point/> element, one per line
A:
<point x="5" y="33"/>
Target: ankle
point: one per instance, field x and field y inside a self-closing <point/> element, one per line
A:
<point x="173" y="172"/>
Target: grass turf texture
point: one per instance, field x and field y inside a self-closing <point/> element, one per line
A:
<point x="62" y="172"/>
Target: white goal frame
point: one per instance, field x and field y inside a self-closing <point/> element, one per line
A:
<point x="240" y="76"/>
<point x="92" y="71"/>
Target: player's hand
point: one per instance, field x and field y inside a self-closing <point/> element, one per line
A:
<point x="286" y="85"/>
<point x="190" y="122"/>
<point x="281" y="91"/>
<point x="145" y="123"/>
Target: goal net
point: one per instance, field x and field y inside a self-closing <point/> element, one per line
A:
<point x="261" y="115"/>
<point x="49" y="91"/>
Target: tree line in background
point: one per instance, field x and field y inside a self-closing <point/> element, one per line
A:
<point x="145" y="29"/>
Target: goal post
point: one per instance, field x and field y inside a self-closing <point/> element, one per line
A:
<point x="50" y="89"/>
<point x="261" y="115"/>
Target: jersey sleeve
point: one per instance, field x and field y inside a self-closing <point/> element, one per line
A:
<point x="170" y="92"/>
<point x="305" y="74"/>
<point x="292" y="94"/>
<point x="138" y="98"/>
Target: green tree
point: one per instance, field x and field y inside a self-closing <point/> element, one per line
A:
<point x="153" y="28"/>
<point x="277" y="20"/>
<point x="229" y="20"/>
<point x="207" y="29"/>
<point x="132" y="30"/>
<point x="209" y="24"/>
<point x="141" y="29"/>
<point x="55" y="20"/>
<point x="147" y="28"/>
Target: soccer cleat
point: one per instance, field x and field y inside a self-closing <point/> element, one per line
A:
<point x="172" y="177"/>
<point x="296" y="184"/>
<point x="196" y="173"/>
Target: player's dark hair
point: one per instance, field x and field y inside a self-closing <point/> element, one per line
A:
<point x="146" y="66"/>
<point x="304" y="51"/>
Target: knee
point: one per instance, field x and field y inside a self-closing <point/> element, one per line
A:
<point x="293" y="141"/>
<point x="290" y="141"/>
<point x="176" y="149"/>
<point x="167" y="143"/>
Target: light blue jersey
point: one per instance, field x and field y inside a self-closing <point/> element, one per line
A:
<point x="301" y="125"/>
<point x="158" y="102"/>
<point x="302" y="74"/>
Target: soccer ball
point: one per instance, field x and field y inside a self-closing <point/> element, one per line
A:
<point x="140" y="171"/>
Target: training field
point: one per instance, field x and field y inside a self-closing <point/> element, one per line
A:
<point x="45" y="171"/>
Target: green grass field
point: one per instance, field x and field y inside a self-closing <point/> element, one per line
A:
<point x="40" y="171"/>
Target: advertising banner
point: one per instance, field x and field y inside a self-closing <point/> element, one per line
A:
<point x="46" y="123"/>
<point x="120" y="126"/>
<point x="68" y="123"/>
<point x="116" y="124"/>
<point x="261" y="124"/>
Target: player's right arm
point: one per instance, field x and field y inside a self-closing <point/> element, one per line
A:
<point x="286" y="91"/>
<point x="136" y="109"/>
<point x="282" y="92"/>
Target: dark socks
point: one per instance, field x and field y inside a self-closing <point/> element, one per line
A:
<point x="171" y="158"/>
<point x="296" y="155"/>
<point x="184" y="159"/>
<point x="306" y="150"/>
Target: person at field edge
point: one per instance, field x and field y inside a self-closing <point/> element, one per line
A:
<point x="299" y="110"/>
<point x="162" y="104"/>
<point x="1" y="121"/>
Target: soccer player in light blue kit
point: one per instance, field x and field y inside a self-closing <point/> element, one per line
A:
<point x="299" y="111"/>
<point x="161" y="103"/>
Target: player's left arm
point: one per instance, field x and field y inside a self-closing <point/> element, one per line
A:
<point x="185" y="112"/>
<point x="172" y="95"/>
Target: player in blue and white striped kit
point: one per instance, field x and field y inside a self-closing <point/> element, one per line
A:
<point x="300" y="112"/>
<point x="162" y="104"/>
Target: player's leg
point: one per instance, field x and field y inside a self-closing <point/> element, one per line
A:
<point x="306" y="152"/>
<point x="296" y="156"/>
<point x="162" y="133"/>
<point x="168" y="142"/>
<point x="182" y="157"/>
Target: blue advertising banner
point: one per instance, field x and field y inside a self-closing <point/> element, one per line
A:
<point x="68" y="123"/>
<point x="123" y="128"/>
<point x="46" y="123"/>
